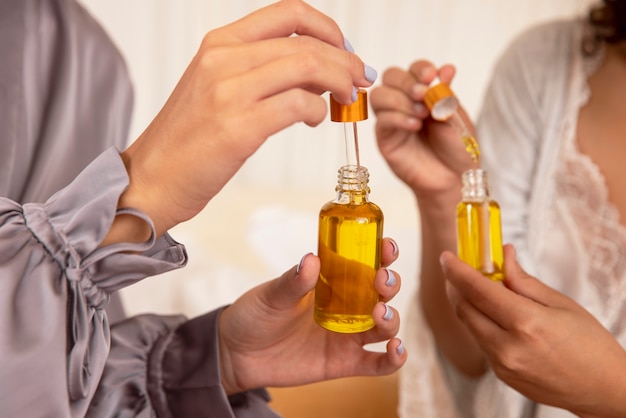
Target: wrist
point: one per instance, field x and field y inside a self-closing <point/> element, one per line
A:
<point x="438" y="205"/>
<point x="141" y="194"/>
<point x="126" y="227"/>
<point x="607" y="397"/>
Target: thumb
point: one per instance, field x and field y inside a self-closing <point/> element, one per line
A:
<point x="295" y="283"/>
<point x="522" y="283"/>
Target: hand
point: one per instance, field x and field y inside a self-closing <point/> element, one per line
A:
<point x="539" y="341"/>
<point x="268" y="336"/>
<point x="426" y="154"/>
<point x="249" y="80"/>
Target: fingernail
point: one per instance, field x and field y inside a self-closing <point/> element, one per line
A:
<point x="347" y="45"/>
<point x="427" y="72"/>
<point x="420" y="109"/>
<point x="395" y="247"/>
<point x="370" y="74"/>
<point x="354" y="94"/>
<point x="442" y="260"/>
<point x="391" y="278"/>
<point x="419" y="90"/>
<point x="400" y="348"/>
<point x="301" y="262"/>
<point x="388" y="313"/>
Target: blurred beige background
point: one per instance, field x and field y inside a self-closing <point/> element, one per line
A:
<point x="265" y="219"/>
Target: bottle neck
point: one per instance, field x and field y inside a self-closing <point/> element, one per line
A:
<point x="475" y="185"/>
<point x="352" y="184"/>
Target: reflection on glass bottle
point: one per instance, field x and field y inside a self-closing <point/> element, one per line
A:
<point x="479" y="230"/>
<point x="444" y="106"/>
<point x="349" y="238"/>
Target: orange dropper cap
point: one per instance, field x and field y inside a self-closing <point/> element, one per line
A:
<point x="441" y="101"/>
<point x="354" y="112"/>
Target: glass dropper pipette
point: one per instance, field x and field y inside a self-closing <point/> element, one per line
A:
<point x="350" y="115"/>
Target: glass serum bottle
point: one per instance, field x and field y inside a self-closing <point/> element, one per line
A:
<point x="349" y="237"/>
<point x="478" y="226"/>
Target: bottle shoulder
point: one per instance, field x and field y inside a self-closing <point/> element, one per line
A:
<point x="353" y="209"/>
<point x="492" y="204"/>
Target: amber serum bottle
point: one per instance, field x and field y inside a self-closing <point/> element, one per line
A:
<point x="479" y="228"/>
<point x="349" y="238"/>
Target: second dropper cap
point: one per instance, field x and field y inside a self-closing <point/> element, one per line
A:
<point x="441" y="101"/>
<point x="354" y="112"/>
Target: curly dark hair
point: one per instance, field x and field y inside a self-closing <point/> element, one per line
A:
<point x="607" y="21"/>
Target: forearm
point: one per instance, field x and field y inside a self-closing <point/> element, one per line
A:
<point x="608" y="391"/>
<point x="451" y="336"/>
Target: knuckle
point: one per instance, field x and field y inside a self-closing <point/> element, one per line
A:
<point x="298" y="102"/>
<point x="211" y="57"/>
<point x="307" y="46"/>
<point x="309" y="61"/>
<point x="510" y="361"/>
<point x="355" y="63"/>
<point x="209" y="39"/>
<point x="296" y="7"/>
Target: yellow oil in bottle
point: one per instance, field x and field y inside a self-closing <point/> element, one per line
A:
<point x="349" y="248"/>
<point x="479" y="228"/>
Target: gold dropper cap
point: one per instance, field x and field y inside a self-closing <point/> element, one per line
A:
<point x="354" y="112"/>
<point x="441" y="101"/>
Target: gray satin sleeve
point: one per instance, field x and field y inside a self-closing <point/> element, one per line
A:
<point x="54" y="283"/>
<point x="169" y="367"/>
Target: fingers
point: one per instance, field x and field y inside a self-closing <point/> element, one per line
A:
<point x="387" y="284"/>
<point x="507" y="306"/>
<point x="525" y="285"/>
<point x="490" y="298"/>
<point x="265" y="35"/>
<point x="310" y="62"/>
<point x="425" y="72"/>
<point x="387" y="322"/>
<point x="307" y="69"/>
<point x="380" y="364"/>
<point x="295" y="284"/>
<point x="280" y="19"/>
<point x="390" y="251"/>
<point x="397" y="108"/>
<point x="282" y="110"/>
<point x="486" y="330"/>
<point x="398" y="103"/>
<point x="400" y="80"/>
<point x="238" y="58"/>
<point x="387" y="325"/>
<point x="447" y="73"/>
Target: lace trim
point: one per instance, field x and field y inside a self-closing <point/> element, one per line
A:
<point x="581" y="186"/>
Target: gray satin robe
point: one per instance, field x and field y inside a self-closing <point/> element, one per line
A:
<point x="65" y="106"/>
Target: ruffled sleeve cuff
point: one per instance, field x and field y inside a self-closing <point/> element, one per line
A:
<point x="168" y="367"/>
<point x="75" y="220"/>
